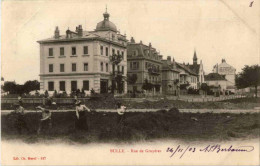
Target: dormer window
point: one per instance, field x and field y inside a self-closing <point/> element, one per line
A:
<point x="135" y="53"/>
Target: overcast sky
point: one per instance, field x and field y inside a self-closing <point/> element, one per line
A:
<point x="215" y="28"/>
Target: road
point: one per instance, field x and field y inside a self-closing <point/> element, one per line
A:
<point x="235" y="111"/>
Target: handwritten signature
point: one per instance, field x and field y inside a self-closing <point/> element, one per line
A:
<point x="174" y="151"/>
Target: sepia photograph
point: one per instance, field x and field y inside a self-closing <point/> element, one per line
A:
<point x="174" y="82"/>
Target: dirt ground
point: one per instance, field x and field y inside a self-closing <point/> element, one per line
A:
<point x="137" y="126"/>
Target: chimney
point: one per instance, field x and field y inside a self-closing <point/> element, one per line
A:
<point x="80" y="30"/>
<point x="57" y="33"/>
<point x="150" y="45"/>
<point x="77" y="29"/>
<point x="169" y="59"/>
<point x="132" y="40"/>
<point x="141" y="42"/>
<point x="67" y="33"/>
<point x="160" y="57"/>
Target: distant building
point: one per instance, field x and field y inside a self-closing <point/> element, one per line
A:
<point x="187" y="76"/>
<point x="145" y="62"/>
<point x="170" y="77"/>
<point x="198" y="69"/>
<point x="215" y="80"/>
<point x="228" y="71"/>
<point x="80" y="59"/>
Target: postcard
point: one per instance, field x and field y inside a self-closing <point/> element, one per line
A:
<point x="156" y="82"/>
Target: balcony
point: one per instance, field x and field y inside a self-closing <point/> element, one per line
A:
<point x="153" y="71"/>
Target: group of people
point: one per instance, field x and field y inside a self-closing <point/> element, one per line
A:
<point x="45" y="121"/>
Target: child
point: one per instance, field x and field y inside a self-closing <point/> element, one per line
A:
<point x="45" y="120"/>
<point x="81" y="121"/>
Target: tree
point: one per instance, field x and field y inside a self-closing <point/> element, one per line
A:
<point x="31" y="86"/>
<point x="115" y="59"/>
<point x="250" y="76"/>
<point x="131" y="79"/>
<point x="147" y="86"/>
<point x="10" y="86"/>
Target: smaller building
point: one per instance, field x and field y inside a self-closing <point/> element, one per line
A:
<point x="170" y="77"/>
<point x="216" y="80"/>
<point x="187" y="76"/>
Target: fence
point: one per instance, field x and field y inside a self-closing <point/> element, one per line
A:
<point x="65" y="101"/>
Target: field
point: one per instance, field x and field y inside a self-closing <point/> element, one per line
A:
<point x="139" y="126"/>
<point x="108" y="102"/>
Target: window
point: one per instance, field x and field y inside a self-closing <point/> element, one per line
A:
<point x="61" y="67"/>
<point x="106" y="67"/>
<point x="123" y="68"/>
<point x="50" y="68"/>
<point x="106" y="51"/>
<point x="123" y="55"/>
<point x="135" y="53"/>
<point x="50" y="51"/>
<point x="62" y="85"/>
<point x="74" y="67"/>
<point x="135" y="65"/>
<point x="73" y="51"/>
<point x="101" y="66"/>
<point x="113" y="51"/>
<point x="101" y="50"/>
<point x="85" y="66"/>
<point x="85" y="50"/>
<point x="85" y="85"/>
<point x="118" y="52"/>
<point x="73" y="85"/>
<point x="50" y="86"/>
<point x="61" y="51"/>
<point x="146" y="65"/>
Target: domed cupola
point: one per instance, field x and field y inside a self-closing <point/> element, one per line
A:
<point x="106" y="25"/>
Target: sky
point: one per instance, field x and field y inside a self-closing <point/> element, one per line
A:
<point x="216" y="29"/>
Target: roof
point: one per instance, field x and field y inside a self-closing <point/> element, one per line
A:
<point x="106" y="25"/>
<point x="143" y="51"/>
<point x="194" y="67"/>
<point x="169" y="66"/>
<point x="214" y="77"/>
<point x="86" y="35"/>
<point x="187" y="69"/>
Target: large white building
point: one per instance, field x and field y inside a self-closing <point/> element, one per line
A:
<point x="81" y="59"/>
<point x="228" y="71"/>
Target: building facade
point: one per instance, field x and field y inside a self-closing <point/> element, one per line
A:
<point x="170" y="77"/>
<point x="145" y="62"/>
<point x="187" y="76"/>
<point x="216" y="80"/>
<point x="81" y="59"/>
<point x="228" y="71"/>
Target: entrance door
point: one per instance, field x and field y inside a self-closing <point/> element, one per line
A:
<point x="103" y="86"/>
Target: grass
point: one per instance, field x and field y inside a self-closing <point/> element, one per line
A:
<point x="139" y="126"/>
<point x="110" y="103"/>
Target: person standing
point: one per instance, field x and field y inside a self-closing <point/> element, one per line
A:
<point x="45" y="121"/>
<point x="81" y="118"/>
<point x="121" y="118"/>
<point x="121" y="113"/>
<point x="20" y="122"/>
